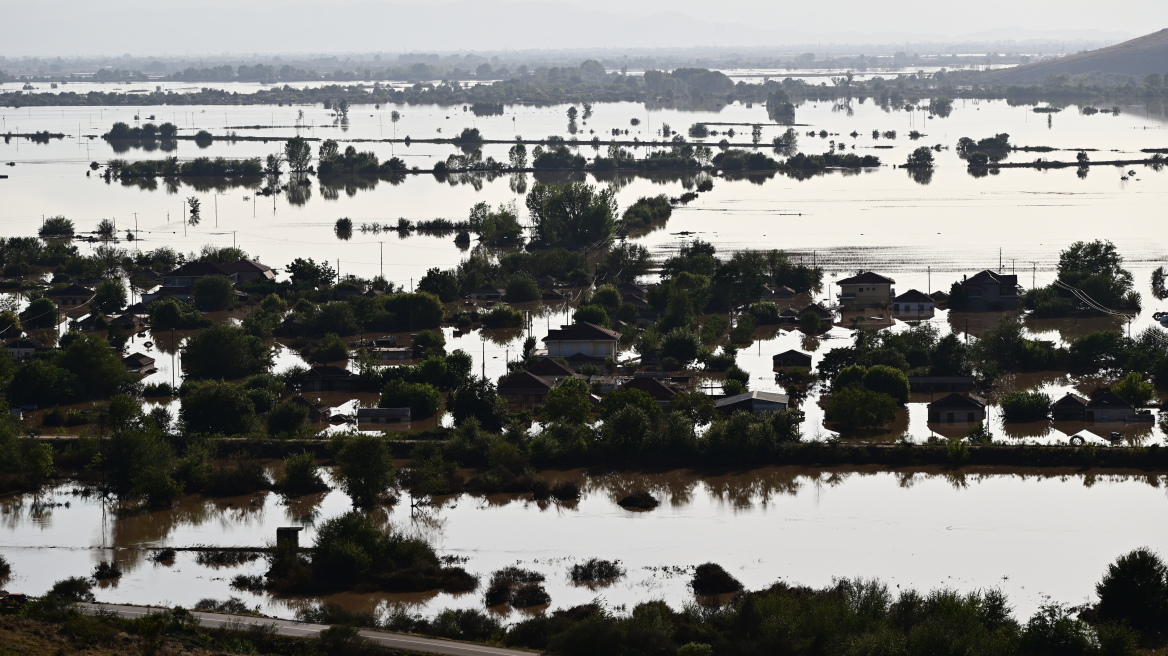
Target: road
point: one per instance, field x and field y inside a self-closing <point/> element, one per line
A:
<point x="306" y="630"/>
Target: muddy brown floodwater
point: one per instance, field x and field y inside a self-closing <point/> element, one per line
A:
<point x="1031" y="533"/>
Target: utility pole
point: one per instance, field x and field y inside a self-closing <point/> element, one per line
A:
<point x="930" y="270"/>
<point x="136" y="231"/>
<point x="382" y="255"/>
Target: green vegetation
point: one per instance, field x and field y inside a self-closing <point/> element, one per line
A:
<point x="200" y="167"/>
<point x="1025" y="406"/>
<point x="1091" y="280"/>
<point x="56" y="226"/>
<point x="574" y="216"/>
<point x="351" y="552"/>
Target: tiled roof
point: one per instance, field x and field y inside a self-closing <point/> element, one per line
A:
<point x="913" y="296"/>
<point x="867" y="278"/>
<point x="581" y="331"/>
<point x="959" y="401"/>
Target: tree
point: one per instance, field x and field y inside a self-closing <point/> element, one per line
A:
<point x="859" y="408"/>
<point x="329" y="151"/>
<point x="110" y="296"/>
<point x="521" y="288"/>
<point x="193" y="205"/>
<point x="307" y="273"/>
<point x="443" y="284"/>
<point x="1134" y="389"/>
<point x="779" y="107"/>
<point x="97" y="367"/>
<point x="56" y="226"/>
<point x="106" y="229"/>
<point x="41" y="313"/>
<point x="921" y="158"/>
<point x="298" y="154"/>
<point x="573" y="215"/>
<point x="422" y="399"/>
<point x="1134" y="591"/>
<point x="887" y="380"/>
<point x="622" y="398"/>
<point x="681" y="344"/>
<point x="287" y="419"/>
<point x="477" y="399"/>
<point x="365" y="468"/>
<point x="568" y="402"/>
<point x="214" y="293"/>
<point x="215" y="407"/>
<point x="517" y="156"/>
<point x="226" y="352"/>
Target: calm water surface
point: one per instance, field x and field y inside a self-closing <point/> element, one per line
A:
<point x="1031" y="534"/>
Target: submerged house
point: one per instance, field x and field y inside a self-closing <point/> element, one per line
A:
<point x="792" y="358"/>
<point x="1109" y="406"/>
<point x="378" y="418"/>
<point x="660" y="392"/>
<point x="138" y="363"/>
<point x="550" y="369"/>
<point x="582" y="339"/>
<point x="488" y="293"/>
<point x="913" y="301"/>
<point x="865" y="290"/>
<point x="990" y="292"/>
<point x="957" y="409"/>
<point x="1071" y="407"/>
<point x="72" y="296"/>
<point x="525" y="389"/>
<point x="329" y="378"/>
<point x="753" y="402"/>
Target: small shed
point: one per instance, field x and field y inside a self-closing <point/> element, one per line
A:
<point x="792" y="358"/>
<point x="288" y="536"/>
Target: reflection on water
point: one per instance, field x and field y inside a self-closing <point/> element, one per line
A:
<point x="921" y="527"/>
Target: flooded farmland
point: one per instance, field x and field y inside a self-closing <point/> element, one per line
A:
<point x="1034" y="534"/>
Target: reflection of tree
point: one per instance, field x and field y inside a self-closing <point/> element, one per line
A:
<point x="518" y="183"/>
<point x="921" y="176"/>
<point x="299" y="189"/>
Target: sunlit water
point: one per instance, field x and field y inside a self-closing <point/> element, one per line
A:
<point x="1033" y="535"/>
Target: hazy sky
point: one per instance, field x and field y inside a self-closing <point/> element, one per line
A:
<point x="45" y="27"/>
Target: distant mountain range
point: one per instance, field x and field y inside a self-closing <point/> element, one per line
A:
<point x="1138" y="57"/>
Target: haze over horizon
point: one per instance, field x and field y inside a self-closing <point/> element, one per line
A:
<point x="74" y="27"/>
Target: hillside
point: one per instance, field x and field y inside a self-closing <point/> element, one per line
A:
<point x="1138" y="57"/>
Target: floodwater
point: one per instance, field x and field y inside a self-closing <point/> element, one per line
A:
<point x="923" y="235"/>
<point x="1035" y="535"/>
<point x="1032" y="535"/>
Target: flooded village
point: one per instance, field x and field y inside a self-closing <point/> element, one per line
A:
<point x="560" y="351"/>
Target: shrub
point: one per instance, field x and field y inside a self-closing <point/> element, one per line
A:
<point x="1025" y="406"/>
<point x="859" y="408"/>
<point x="641" y="500"/>
<point x="1134" y="389"/>
<point x="710" y="579"/>
<point x="107" y="570"/>
<point x="301" y="475"/>
<point x="422" y="399"/>
<point x="521" y="288"/>
<point x="594" y="570"/>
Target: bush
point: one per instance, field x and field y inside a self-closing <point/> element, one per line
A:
<point x="595" y="570"/>
<point x="1025" y="406"/>
<point x="301" y="475"/>
<point x="5" y="568"/>
<point x="107" y="570"/>
<point x="287" y="420"/>
<point x="1134" y="389"/>
<point x="422" y="399"/>
<point x="521" y="289"/>
<point x="641" y="500"/>
<point x="710" y="579"/>
<point x="859" y="408"/>
<point x="57" y="226"/>
<point x="225" y="352"/>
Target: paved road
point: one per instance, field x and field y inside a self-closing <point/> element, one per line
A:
<point x="306" y="630"/>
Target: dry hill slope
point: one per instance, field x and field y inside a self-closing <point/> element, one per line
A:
<point x="1139" y="57"/>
